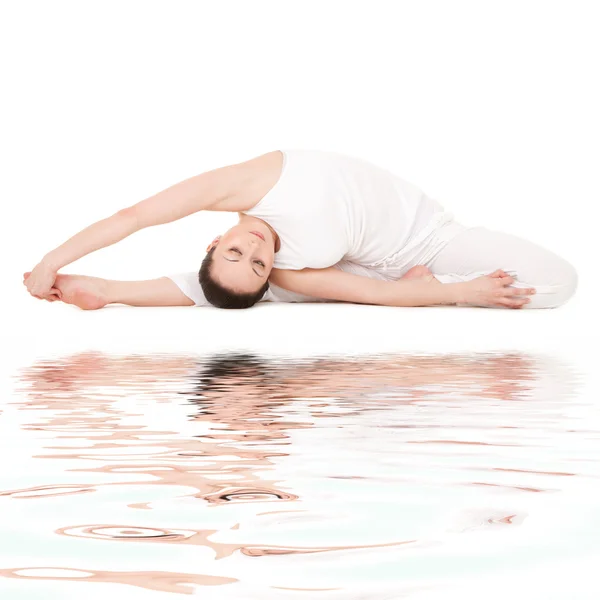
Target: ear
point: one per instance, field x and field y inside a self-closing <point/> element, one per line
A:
<point x="213" y="243"/>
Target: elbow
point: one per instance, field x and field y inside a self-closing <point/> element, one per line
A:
<point x="131" y="216"/>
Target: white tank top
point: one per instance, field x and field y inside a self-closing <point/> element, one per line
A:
<point x="327" y="206"/>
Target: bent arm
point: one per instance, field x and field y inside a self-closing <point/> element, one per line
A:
<point x="333" y="284"/>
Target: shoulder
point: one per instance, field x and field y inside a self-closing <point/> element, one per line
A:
<point x="250" y="180"/>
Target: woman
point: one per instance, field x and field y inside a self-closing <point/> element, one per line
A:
<point x="325" y="226"/>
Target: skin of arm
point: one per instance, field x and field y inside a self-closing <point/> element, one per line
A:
<point x="218" y="189"/>
<point x="333" y="284"/>
<point x="232" y="188"/>
<point x="98" y="235"/>
<point x="180" y="200"/>
<point x="151" y="292"/>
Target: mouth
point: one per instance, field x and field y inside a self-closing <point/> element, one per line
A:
<point x="260" y="235"/>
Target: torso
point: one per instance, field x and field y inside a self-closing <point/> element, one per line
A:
<point x="326" y="206"/>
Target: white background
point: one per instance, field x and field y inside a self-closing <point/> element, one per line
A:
<point x="490" y="107"/>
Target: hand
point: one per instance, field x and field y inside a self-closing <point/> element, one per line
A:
<point x="40" y="283"/>
<point x="493" y="290"/>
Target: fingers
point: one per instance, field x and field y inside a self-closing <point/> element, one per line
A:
<point x="514" y="302"/>
<point x="499" y="273"/>
<point x="510" y="297"/>
<point x="503" y="280"/>
<point x="516" y="291"/>
<point x="55" y="294"/>
<point x="514" y="297"/>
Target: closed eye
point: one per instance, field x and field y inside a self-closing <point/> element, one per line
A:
<point x="260" y="262"/>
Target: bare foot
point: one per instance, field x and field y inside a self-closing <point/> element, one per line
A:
<point x="420" y="272"/>
<point x="88" y="293"/>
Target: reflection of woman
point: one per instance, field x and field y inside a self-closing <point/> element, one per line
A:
<point x="246" y="401"/>
<point x="306" y="218"/>
<point x="243" y="391"/>
<point x="248" y="378"/>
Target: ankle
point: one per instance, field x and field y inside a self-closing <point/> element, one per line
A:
<point x="109" y="290"/>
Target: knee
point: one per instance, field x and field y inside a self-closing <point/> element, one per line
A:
<point x="568" y="280"/>
<point x="560" y="288"/>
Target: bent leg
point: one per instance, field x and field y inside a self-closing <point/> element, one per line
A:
<point x="90" y="293"/>
<point x="480" y="251"/>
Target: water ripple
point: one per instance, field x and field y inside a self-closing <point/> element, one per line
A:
<point x="160" y="581"/>
<point x="125" y="532"/>
<point x="398" y="467"/>
<point x="45" y="491"/>
<point x="248" y="495"/>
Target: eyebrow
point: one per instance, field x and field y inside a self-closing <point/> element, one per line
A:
<point x="228" y="259"/>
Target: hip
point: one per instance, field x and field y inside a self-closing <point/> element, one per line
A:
<point x="423" y="247"/>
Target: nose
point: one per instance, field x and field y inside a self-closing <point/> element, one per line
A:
<point x="252" y="246"/>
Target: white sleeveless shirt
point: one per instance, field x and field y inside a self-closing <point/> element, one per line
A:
<point x="327" y="206"/>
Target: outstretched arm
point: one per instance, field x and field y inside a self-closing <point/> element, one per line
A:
<point x="334" y="284"/>
<point x="207" y="191"/>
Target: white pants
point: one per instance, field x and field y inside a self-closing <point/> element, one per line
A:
<point x="477" y="251"/>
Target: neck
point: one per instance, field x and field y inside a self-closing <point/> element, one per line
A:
<point x="276" y="240"/>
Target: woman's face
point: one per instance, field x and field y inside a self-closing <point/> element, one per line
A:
<point x="243" y="257"/>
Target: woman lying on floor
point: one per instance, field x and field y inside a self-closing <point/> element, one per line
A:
<point x="316" y="226"/>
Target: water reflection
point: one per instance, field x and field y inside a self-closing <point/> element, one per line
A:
<point x="182" y="583"/>
<point x="238" y="455"/>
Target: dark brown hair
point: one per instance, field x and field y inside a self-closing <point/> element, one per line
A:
<point x="220" y="296"/>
